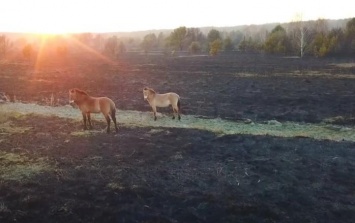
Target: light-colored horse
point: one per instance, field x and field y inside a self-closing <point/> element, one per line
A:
<point x="162" y="100"/>
<point x="88" y="104"/>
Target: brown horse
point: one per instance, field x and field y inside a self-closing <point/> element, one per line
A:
<point x="88" y="104"/>
<point x="162" y="100"/>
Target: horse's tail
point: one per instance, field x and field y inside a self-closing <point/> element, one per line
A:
<point x="179" y="105"/>
<point x="113" y="114"/>
<point x="113" y="111"/>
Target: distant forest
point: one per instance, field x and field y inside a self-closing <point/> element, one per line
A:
<point x="319" y="38"/>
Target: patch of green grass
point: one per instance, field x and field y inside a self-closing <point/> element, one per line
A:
<point x="19" y="167"/>
<point x="6" y="116"/>
<point x="340" y="120"/>
<point x="86" y="133"/>
<point x="9" y="128"/>
<point x="6" y="126"/>
<point x="322" y="131"/>
<point x="286" y="129"/>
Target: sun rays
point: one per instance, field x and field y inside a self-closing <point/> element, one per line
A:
<point x="50" y="49"/>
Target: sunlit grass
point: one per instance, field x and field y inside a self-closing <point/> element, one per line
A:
<point x="5" y="116"/>
<point x="320" y="131"/>
<point x="7" y="127"/>
<point x="86" y="133"/>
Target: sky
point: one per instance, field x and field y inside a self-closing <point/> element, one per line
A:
<point x="67" y="16"/>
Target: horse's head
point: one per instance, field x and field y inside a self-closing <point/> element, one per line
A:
<point x="4" y="97"/>
<point x="72" y="96"/>
<point x="146" y="92"/>
<point x="77" y="96"/>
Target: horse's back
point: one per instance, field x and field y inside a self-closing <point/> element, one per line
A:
<point x="174" y="95"/>
<point x="164" y="100"/>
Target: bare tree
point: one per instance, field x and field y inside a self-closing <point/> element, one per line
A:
<point x="300" y="34"/>
<point x="4" y="45"/>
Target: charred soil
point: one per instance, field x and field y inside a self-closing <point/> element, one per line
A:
<point x="52" y="171"/>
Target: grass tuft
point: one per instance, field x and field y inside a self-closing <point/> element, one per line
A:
<point x="115" y="186"/>
<point x="18" y="167"/>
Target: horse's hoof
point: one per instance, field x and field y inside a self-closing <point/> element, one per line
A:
<point x="173" y="117"/>
<point x="155" y="118"/>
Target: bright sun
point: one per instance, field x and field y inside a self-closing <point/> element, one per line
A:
<point x="45" y="16"/>
<point x="45" y="24"/>
<point x="77" y="16"/>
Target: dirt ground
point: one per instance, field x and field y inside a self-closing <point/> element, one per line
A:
<point x="52" y="171"/>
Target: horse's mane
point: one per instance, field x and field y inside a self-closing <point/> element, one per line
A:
<point x="149" y="89"/>
<point x="80" y="91"/>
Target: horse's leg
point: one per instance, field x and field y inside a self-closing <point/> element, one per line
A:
<point x="107" y="117"/>
<point x="178" y="113"/>
<point x="89" y="120"/>
<point x="174" y="110"/>
<point x="178" y="105"/>
<point x="154" y="112"/>
<point x="84" y="119"/>
<point x="113" y="116"/>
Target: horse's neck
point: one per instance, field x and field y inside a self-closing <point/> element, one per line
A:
<point x="83" y="98"/>
<point x="152" y="96"/>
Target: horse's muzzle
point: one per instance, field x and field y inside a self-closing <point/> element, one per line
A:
<point x="72" y="103"/>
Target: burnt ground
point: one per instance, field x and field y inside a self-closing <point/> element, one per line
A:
<point x="182" y="175"/>
<point x="233" y="86"/>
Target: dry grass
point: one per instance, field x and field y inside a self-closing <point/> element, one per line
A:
<point x="13" y="166"/>
<point x="6" y="126"/>
<point x="18" y="167"/>
<point x="298" y="73"/>
<point x="322" y="131"/>
<point x="85" y="133"/>
<point x="115" y="186"/>
<point x="345" y="65"/>
<point x="9" y="128"/>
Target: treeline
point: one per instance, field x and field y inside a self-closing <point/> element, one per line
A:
<point x="299" y="38"/>
<point x="296" y="38"/>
